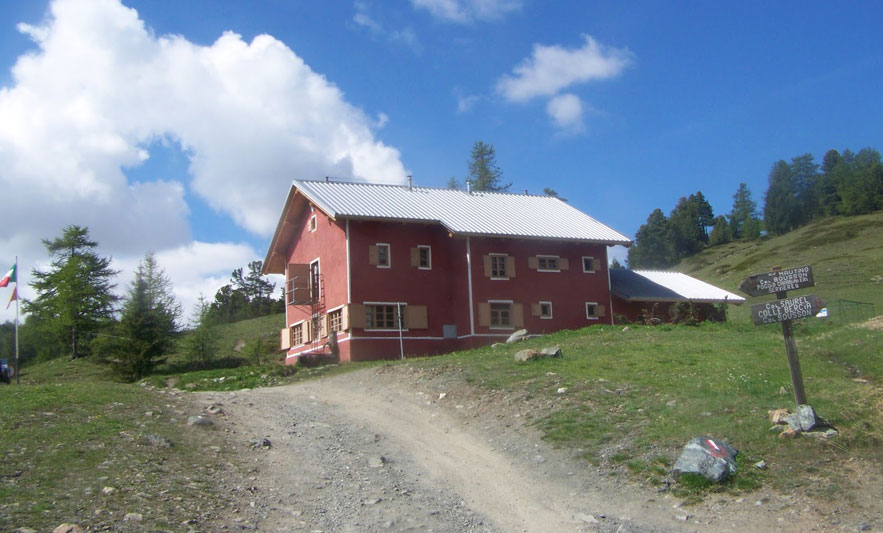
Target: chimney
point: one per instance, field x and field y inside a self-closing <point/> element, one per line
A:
<point x="326" y="179"/>
<point x="410" y="182"/>
<point x="469" y="186"/>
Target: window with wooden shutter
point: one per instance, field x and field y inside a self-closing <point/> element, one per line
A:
<point x="595" y="311"/>
<point x="356" y="315"/>
<point x="415" y="317"/>
<point x="415" y="257"/>
<point x="373" y="255"/>
<point x="590" y="264"/>
<point x="484" y="314"/>
<point x="563" y="263"/>
<point x="541" y="309"/>
<point x="533" y="263"/>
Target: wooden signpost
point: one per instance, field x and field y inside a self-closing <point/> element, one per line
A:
<point x="784" y="310"/>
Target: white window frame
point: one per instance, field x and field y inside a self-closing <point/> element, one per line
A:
<point x="298" y="324"/>
<point x="542" y="317"/>
<point x="504" y="256"/>
<point x="428" y="249"/>
<point x="510" y="303"/>
<point x="588" y="316"/>
<point x="584" y="264"/>
<point x="557" y="259"/>
<point x="393" y="304"/>
<point x="328" y="313"/>
<point x="318" y="280"/>
<point x="313" y="224"/>
<point x="388" y="254"/>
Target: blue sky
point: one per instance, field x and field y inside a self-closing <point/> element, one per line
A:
<point x="151" y="125"/>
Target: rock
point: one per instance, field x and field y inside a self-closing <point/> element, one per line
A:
<point x="587" y="518"/>
<point x="531" y="354"/>
<point x="214" y="409"/>
<point x="760" y="464"/>
<point x="199" y="421"/>
<point x="789" y="433"/>
<point x="562" y="390"/>
<point x="377" y="461"/>
<point x="777" y="416"/>
<point x="68" y="528"/>
<point x="831" y="433"/>
<point x="190" y="386"/>
<point x="240" y="344"/>
<point x="625" y="329"/>
<point x="133" y="517"/>
<point x="704" y="456"/>
<point x="442" y="395"/>
<point x="108" y="490"/>
<point x="783" y="391"/>
<point x="804" y="419"/>
<point x="260" y="442"/>
<point x="156" y="441"/>
<point x="25" y="530"/>
<point x="519" y="335"/>
<point x="671" y="403"/>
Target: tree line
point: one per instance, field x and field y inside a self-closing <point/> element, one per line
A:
<point x="77" y="313"/>
<point x="799" y="192"/>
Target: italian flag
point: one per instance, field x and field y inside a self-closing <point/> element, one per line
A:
<point x="9" y="277"/>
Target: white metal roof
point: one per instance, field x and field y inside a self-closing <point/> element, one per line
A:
<point x="461" y="212"/>
<point x="690" y="288"/>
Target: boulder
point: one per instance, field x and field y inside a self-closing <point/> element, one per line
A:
<point x="156" y="441"/>
<point x="707" y="457"/>
<point x="804" y="419"/>
<point x="531" y="354"/>
<point x="519" y="335"/>
<point x="68" y="528"/>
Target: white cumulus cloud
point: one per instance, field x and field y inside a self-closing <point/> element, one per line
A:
<point x="566" y="111"/>
<point x="99" y="88"/>
<point x="552" y="68"/>
<point x="466" y="11"/>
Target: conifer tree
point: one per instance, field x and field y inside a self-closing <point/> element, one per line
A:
<point x="484" y="174"/>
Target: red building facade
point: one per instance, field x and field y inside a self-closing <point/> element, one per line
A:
<point x="375" y="271"/>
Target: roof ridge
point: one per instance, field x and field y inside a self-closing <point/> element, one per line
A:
<point x="405" y="186"/>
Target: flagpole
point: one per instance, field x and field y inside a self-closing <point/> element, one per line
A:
<point x="17" y="366"/>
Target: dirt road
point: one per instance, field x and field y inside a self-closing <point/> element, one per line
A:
<point x="384" y="450"/>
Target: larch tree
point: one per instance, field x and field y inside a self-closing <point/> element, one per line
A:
<point x="74" y="296"/>
<point x="484" y="174"/>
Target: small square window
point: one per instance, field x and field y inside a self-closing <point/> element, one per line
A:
<point x="297" y="335"/>
<point x="592" y="310"/>
<point x="501" y="315"/>
<point x="547" y="262"/>
<point x="383" y="255"/>
<point x="334" y="320"/>
<point x="424" y="257"/>
<point x="546" y="310"/>
<point x="589" y="264"/>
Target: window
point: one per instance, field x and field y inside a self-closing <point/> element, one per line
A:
<point x="498" y="266"/>
<point x="547" y="262"/>
<point x="313" y="223"/>
<point x="379" y="255"/>
<point x="315" y="281"/>
<point x="424" y="257"/>
<point x="501" y="315"/>
<point x="595" y="311"/>
<point x="590" y="264"/>
<point x="546" y="310"/>
<point x="297" y="334"/>
<point x="335" y="320"/>
<point x="381" y="316"/>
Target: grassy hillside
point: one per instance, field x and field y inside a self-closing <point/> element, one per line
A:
<point x="846" y="254"/>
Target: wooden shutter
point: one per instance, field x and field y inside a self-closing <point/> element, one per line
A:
<point x="487" y="265"/>
<point x="285" y="339"/>
<point x="563" y="263"/>
<point x="415" y="257"/>
<point x="415" y="317"/>
<point x="323" y="326"/>
<point x="510" y="266"/>
<point x="533" y="263"/>
<point x="596" y="264"/>
<point x="344" y="318"/>
<point x="518" y="315"/>
<point x="297" y="286"/>
<point x="308" y="330"/>
<point x="536" y="309"/>
<point x="373" y="255"/>
<point x="484" y="314"/>
<point x="356" y="315"/>
<point x="600" y="310"/>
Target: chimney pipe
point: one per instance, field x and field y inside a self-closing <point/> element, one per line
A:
<point x="469" y="186"/>
<point x="410" y="182"/>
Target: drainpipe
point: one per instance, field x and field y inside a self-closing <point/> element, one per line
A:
<point x="401" y="339"/>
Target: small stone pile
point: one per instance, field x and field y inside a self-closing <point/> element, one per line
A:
<point x="804" y="420"/>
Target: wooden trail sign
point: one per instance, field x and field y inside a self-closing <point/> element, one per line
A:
<point x="778" y="281"/>
<point x="786" y="309"/>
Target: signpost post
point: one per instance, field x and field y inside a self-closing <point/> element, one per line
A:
<point x="784" y="310"/>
